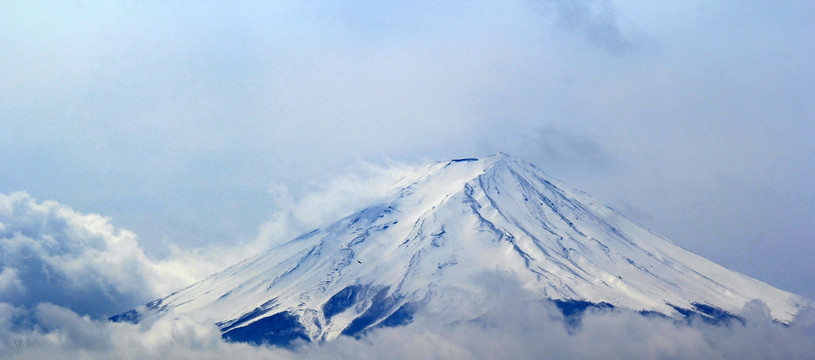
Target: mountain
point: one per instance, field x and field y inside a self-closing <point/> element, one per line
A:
<point x="422" y="247"/>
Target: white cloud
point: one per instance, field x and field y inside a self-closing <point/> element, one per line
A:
<point x="339" y="197"/>
<point x="9" y="281"/>
<point x="511" y="328"/>
<point x="534" y="330"/>
<point x="51" y="253"/>
<point x="62" y="334"/>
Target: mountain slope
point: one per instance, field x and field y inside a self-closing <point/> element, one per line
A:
<point x="422" y="247"/>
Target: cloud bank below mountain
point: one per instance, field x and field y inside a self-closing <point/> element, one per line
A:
<point x="524" y="330"/>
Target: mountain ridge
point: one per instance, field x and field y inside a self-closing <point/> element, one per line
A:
<point x="421" y="247"/>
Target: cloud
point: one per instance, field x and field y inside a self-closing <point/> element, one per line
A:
<point x="62" y="334"/>
<point x="513" y="326"/>
<point x="596" y="20"/>
<point x="10" y="282"/>
<point x="562" y="150"/>
<point x="51" y="253"/>
<point x="323" y="203"/>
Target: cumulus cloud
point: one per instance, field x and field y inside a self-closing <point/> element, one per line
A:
<point x="9" y="281"/>
<point x="51" y="253"/>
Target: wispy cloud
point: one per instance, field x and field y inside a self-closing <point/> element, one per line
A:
<point x="561" y="147"/>
<point x="298" y="212"/>
<point x="596" y="20"/>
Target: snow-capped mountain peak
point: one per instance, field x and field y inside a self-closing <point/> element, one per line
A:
<point x="422" y="247"/>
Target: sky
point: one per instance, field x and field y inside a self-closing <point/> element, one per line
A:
<point x="172" y="138"/>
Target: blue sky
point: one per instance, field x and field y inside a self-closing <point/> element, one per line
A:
<point x="193" y="124"/>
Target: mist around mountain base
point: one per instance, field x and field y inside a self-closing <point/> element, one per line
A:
<point x="513" y="326"/>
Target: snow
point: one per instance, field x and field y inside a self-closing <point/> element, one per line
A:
<point x="429" y="240"/>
